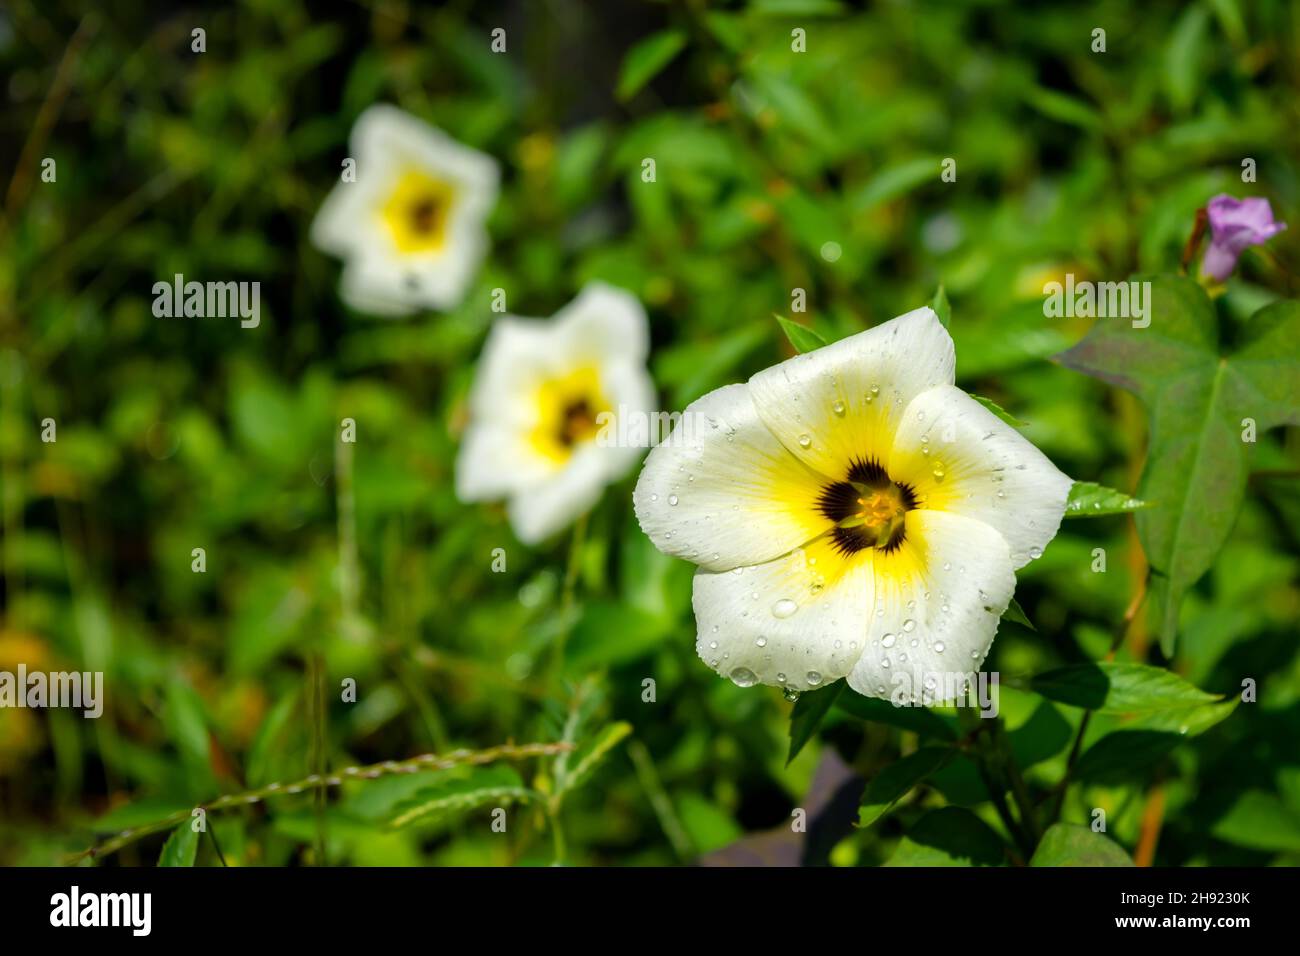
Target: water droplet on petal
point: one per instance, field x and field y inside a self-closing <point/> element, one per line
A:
<point x="909" y="625"/>
<point x="805" y="441"/>
<point x="888" y="640"/>
<point x="761" y="642"/>
<point x="813" y="678"/>
<point x="938" y="647"/>
<point x="743" y="677"/>
<point x="672" y="499"/>
<point x="838" y="408"/>
<point x="784" y="608"/>
<point x="1035" y="553"/>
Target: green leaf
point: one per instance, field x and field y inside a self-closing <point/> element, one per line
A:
<point x="1016" y="614"/>
<point x="1260" y="821"/>
<point x="1116" y="688"/>
<point x="1116" y="758"/>
<point x="1151" y="711"/>
<point x="1063" y="108"/>
<point x="896" y="181"/>
<point x="590" y="755"/>
<point x="1068" y="844"/>
<point x="646" y="59"/>
<point x="1150" y="698"/>
<point x="944" y="311"/>
<point x="808" y="713"/>
<point x="999" y="411"/>
<point x="1183" y="56"/>
<point x="919" y="719"/>
<point x="1198" y="395"/>
<point x="181" y="847"/>
<point x="498" y="786"/>
<point x="896" y="780"/>
<point x="950" y="836"/>
<point x="801" y="337"/>
<point x="1091" y="500"/>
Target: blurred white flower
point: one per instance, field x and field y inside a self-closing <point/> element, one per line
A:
<point x="854" y="514"/>
<point x="545" y="392"/>
<point x="410" y="228"/>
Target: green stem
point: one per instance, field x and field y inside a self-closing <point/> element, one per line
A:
<point x="455" y="758"/>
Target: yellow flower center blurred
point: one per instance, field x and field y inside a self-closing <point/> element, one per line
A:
<point x="569" y="408"/>
<point x="417" y="211"/>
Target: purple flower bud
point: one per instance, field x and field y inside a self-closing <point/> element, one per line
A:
<point x="1234" y="225"/>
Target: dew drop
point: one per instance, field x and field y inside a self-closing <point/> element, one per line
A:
<point x="761" y="642"/>
<point x="784" y="608"/>
<point x="813" y="678"/>
<point x="888" y="640"/>
<point x="909" y="625"/>
<point x="938" y="647"/>
<point x="805" y="441"/>
<point x="938" y="470"/>
<point x="743" y="677"/>
<point x="672" y="499"/>
<point x="1035" y="553"/>
<point x="838" y="408"/>
<point x="791" y="694"/>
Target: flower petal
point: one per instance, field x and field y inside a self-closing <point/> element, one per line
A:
<point x="722" y="491"/>
<point x="540" y="510"/>
<point x="844" y="401"/>
<point x="605" y="321"/>
<point x="938" y="599"/>
<point x="795" y="622"/>
<point x="980" y="467"/>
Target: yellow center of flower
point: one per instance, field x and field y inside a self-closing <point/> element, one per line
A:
<point x="417" y="211"/>
<point x="569" y="410"/>
<point x="868" y="508"/>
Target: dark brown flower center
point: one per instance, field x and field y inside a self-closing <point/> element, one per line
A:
<point x="868" y="509"/>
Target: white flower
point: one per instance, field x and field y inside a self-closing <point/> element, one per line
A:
<point x="411" y="226"/>
<point x="546" y="399"/>
<point x="854" y="514"/>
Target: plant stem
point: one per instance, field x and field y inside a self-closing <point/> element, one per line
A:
<point x="455" y="758"/>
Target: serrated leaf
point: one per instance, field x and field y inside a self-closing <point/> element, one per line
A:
<point x="920" y="719"/>
<point x="808" y="713"/>
<point x="943" y="310"/>
<point x="644" y="61"/>
<point x="1198" y="394"/>
<point x="1154" y="710"/>
<point x="483" y="786"/>
<point x="1119" y="688"/>
<point x="1091" y="500"/>
<point x="999" y="411"/>
<point x="801" y="337"/>
<point x="588" y="757"/>
<point x="896" y="780"/>
<point x="1016" y="614"/>
<point x="1068" y="844"/>
<point x="951" y="836"/>
<point x="181" y="847"/>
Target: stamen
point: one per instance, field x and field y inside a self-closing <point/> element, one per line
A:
<point x="868" y="509"/>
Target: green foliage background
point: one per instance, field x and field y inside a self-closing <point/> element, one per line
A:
<point x="327" y="562"/>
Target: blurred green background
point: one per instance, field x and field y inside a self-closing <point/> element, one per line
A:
<point x="327" y="562"/>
